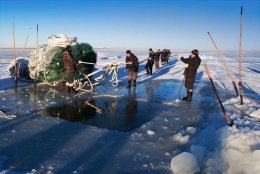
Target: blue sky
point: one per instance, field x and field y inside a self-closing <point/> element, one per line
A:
<point x="179" y="24"/>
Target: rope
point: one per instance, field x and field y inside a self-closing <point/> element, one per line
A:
<point x="9" y="117"/>
<point x="109" y="69"/>
<point x="46" y="81"/>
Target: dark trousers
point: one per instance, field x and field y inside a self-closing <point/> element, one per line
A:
<point x="189" y="83"/>
<point x="132" y="75"/>
<point x="149" y="68"/>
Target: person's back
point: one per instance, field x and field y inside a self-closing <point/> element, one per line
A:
<point x="191" y="66"/>
<point x="69" y="64"/>
<point x="163" y="56"/>
<point x="70" y="68"/>
<point x="194" y="64"/>
<point x="157" y="59"/>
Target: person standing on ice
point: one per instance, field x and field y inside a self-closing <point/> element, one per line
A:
<point x="168" y="54"/>
<point x="157" y="59"/>
<point x="70" y="68"/>
<point x="163" y="56"/>
<point x="191" y="66"/>
<point x="132" y="66"/>
<point x="150" y="61"/>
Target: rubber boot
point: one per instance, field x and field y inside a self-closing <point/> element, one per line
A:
<point x="185" y="98"/>
<point x="134" y="83"/>
<point x="129" y="84"/>
<point x="189" y="97"/>
<point x="147" y="72"/>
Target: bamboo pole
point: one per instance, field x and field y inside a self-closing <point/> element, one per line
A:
<point x="240" y="59"/>
<point x="14" y="54"/>
<point x="26" y="41"/>
<point x="36" y="58"/>
<point x="225" y="64"/>
<point x="217" y="96"/>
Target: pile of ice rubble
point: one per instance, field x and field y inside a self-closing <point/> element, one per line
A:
<point x="239" y="145"/>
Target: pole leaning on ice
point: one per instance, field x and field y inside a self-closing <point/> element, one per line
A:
<point x="36" y="57"/>
<point x="225" y="64"/>
<point x="240" y="60"/>
<point x="26" y="41"/>
<point x="14" y="54"/>
<point x="217" y="96"/>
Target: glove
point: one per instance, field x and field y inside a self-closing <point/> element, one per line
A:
<point x="186" y="65"/>
<point x="180" y="56"/>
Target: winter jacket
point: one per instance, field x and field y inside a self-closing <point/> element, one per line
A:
<point x="168" y="53"/>
<point x="69" y="63"/>
<point x="157" y="56"/>
<point x="194" y="64"/>
<point x="134" y="64"/>
<point x="163" y="56"/>
<point x="150" y="60"/>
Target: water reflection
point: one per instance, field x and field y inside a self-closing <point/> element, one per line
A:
<point x="73" y="112"/>
<point x="117" y="113"/>
<point x="131" y="108"/>
<point x="107" y="108"/>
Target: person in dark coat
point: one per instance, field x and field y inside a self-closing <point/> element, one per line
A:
<point x="157" y="59"/>
<point x="150" y="62"/>
<point x="168" y="54"/>
<point x="163" y="56"/>
<point x="132" y="66"/>
<point x="70" y="68"/>
<point x="191" y="66"/>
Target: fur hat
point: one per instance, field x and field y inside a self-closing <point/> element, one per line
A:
<point x="128" y="51"/>
<point x="195" y="52"/>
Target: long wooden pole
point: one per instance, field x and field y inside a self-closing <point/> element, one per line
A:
<point x="225" y="64"/>
<point x="217" y="96"/>
<point x="240" y="60"/>
<point x="26" y="41"/>
<point x="36" y="58"/>
<point x="14" y="54"/>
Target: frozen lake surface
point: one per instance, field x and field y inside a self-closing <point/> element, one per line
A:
<point x="116" y="130"/>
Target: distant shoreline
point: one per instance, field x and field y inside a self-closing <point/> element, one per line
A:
<point x="17" y="48"/>
<point x="173" y="50"/>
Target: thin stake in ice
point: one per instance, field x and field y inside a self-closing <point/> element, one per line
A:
<point x="225" y="64"/>
<point x="240" y="60"/>
<point x="14" y="54"/>
<point x="217" y="96"/>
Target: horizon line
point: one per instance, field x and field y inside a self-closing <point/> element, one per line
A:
<point x="186" y="50"/>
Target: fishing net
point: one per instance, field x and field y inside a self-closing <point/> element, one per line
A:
<point x="21" y="68"/>
<point x="50" y="66"/>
